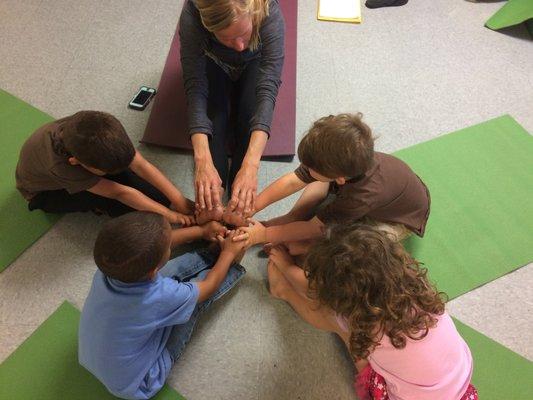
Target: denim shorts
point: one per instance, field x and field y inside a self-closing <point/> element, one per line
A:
<point x="191" y="267"/>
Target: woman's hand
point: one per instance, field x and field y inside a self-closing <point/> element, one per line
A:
<point x="208" y="186"/>
<point x="244" y="191"/>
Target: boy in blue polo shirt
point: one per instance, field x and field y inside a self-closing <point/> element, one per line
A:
<point x="142" y="308"/>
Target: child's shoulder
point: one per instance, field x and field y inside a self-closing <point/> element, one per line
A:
<point x="46" y="137"/>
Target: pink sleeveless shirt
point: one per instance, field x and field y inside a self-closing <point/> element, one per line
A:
<point x="438" y="367"/>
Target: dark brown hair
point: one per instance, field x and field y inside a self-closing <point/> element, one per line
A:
<point x="98" y="140"/>
<point x="338" y="146"/>
<point x="132" y="245"/>
<point x="372" y="282"/>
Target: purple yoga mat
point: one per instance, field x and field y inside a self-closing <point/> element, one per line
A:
<point x="167" y="125"/>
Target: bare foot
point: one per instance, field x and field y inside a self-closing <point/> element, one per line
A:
<point x="232" y="218"/>
<point x="206" y="215"/>
<point x="278" y="284"/>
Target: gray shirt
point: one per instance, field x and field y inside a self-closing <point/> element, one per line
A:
<point x="197" y="43"/>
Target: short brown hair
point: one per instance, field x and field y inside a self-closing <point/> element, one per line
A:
<point x="370" y="280"/>
<point x="98" y="140"/>
<point x="338" y="146"/>
<point x="132" y="245"/>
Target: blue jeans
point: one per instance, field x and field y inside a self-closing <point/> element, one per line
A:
<point x="191" y="267"/>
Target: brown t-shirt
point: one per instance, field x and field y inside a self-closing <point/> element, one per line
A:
<point x="43" y="164"/>
<point x="388" y="192"/>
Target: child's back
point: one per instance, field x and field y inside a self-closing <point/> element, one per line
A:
<point x="439" y="366"/>
<point x="124" y="329"/>
<point x="389" y="191"/>
<point x="390" y="315"/>
<point x="142" y="308"/>
<point x="43" y="164"/>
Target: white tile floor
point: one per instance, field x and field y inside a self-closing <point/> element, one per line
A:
<point x="416" y="72"/>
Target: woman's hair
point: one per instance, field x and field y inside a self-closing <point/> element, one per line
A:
<point x="219" y="14"/>
<point x="338" y="145"/>
<point x="129" y="247"/>
<point x="370" y="280"/>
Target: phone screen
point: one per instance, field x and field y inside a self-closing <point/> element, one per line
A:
<point x="141" y="97"/>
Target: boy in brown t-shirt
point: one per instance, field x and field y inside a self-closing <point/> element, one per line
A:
<point x="338" y="158"/>
<point x="87" y="162"/>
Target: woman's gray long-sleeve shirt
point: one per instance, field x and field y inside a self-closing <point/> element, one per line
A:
<point x="197" y="43"/>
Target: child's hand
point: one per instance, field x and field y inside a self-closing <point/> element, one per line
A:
<point x="182" y="219"/>
<point x="212" y="229"/>
<point x="253" y="234"/>
<point x="228" y="244"/>
<point x="233" y="218"/>
<point x="281" y="257"/>
<point x="204" y="215"/>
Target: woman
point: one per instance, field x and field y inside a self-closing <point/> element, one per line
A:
<point x="232" y="56"/>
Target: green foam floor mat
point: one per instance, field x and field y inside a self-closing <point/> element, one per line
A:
<point x="513" y="12"/>
<point x="19" y="227"/>
<point x="481" y="210"/>
<point x="499" y="373"/>
<point x="46" y="367"/>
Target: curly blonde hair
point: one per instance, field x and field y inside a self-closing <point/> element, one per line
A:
<point x="219" y="14"/>
<point x="372" y="282"/>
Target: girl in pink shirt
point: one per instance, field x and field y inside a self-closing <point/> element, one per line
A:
<point x="366" y="288"/>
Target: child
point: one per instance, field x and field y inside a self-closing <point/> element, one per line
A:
<point x="338" y="158"/>
<point x="366" y="288"/>
<point x="142" y="308"/>
<point x="86" y="162"/>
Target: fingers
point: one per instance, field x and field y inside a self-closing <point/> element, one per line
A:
<point x="200" y="195"/>
<point x="215" y="194"/>
<point x="240" y="236"/>
<point x="207" y="197"/>
<point x="249" y="208"/>
<point x="233" y="203"/>
<point x="241" y="201"/>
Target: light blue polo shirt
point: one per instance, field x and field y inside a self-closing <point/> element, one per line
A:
<point x="124" y="328"/>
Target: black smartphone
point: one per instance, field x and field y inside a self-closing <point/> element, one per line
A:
<point x="142" y="98"/>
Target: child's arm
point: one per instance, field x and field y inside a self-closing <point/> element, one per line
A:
<point x="279" y="189"/>
<point x="151" y="174"/>
<point x="300" y="230"/>
<point x="215" y="277"/>
<point x="137" y="200"/>
<point x="304" y="208"/>
<point x="209" y="231"/>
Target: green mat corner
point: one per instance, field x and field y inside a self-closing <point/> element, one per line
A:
<point x="499" y="373"/>
<point x="46" y="367"/>
<point x="481" y="210"/>
<point x="513" y="12"/>
<point x="19" y="227"/>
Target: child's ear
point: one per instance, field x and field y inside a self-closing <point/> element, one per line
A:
<point x="73" y="161"/>
<point x="340" y="181"/>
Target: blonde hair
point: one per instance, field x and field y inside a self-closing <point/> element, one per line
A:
<point x="217" y="15"/>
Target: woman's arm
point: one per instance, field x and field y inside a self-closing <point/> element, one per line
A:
<point x="193" y="63"/>
<point x="244" y="190"/>
<point x="207" y="182"/>
<point x="272" y="34"/>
